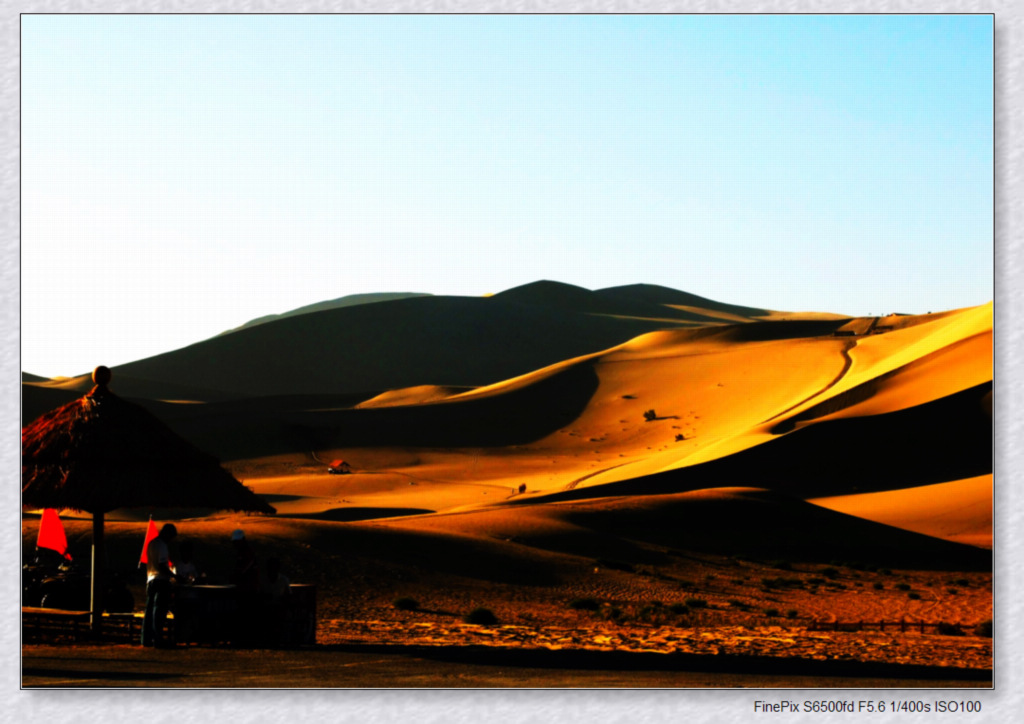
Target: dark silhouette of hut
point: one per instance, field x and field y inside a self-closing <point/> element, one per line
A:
<point x="100" y="453"/>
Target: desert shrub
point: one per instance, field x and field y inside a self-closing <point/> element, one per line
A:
<point x="481" y="616"/>
<point x="962" y="582"/>
<point x="914" y="596"/>
<point x="771" y="612"/>
<point x="830" y="572"/>
<point x="693" y="602"/>
<point x="949" y="629"/>
<point x="679" y="608"/>
<point x="585" y="604"/>
<point x="782" y="565"/>
<point x="687" y="585"/>
<point x="816" y="581"/>
<point x="885" y="571"/>
<point x="680" y="437"/>
<point x="736" y="603"/>
<point x="984" y="629"/>
<point x="405" y="603"/>
<point x="952" y="591"/>
<point x="878" y="586"/>
<point x="903" y="586"/>
<point x="650" y="415"/>
<point x="792" y="613"/>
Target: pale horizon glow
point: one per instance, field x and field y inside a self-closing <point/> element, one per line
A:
<point x="183" y="174"/>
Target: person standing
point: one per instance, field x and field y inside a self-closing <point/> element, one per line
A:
<point x="159" y="579"/>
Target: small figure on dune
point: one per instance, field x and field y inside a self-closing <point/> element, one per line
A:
<point x="522" y="488"/>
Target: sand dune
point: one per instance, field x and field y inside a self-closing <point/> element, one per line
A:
<point x="372" y="348"/>
<point x="552" y="442"/>
<point x="412" y="396"/>
<point x="959" y="511"/>
<point x="128" y="386"/>
<point x="619" y="303"/>
<point x="721" y="397"/>
<point x="350" y="300"/>
<point x="746" y="521"/>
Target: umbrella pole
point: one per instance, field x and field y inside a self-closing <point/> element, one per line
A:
<point x="96" y="600"/>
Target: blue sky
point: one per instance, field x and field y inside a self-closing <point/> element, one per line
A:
<point x="184" y="174"/>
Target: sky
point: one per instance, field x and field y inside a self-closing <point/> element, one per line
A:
<point x="183" y="174"/>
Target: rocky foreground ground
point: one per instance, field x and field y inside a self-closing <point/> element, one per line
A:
<point x="910" y="648"/>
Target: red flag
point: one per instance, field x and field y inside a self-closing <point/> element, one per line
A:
<point x="51" y="533"/>
<point x="151" y="533"/>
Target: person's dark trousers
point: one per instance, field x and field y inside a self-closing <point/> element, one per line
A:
<point x="158" y="600"/>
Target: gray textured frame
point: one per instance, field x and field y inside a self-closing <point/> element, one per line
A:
<point x="454" y="707"/>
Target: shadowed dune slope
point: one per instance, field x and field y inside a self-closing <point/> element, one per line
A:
<point x="557" y="295"/>
<point x="266" y="426"/>
<point x="38" y="397"/>
<point x="521" y="415"/>
<point x="351" y="300"/>
<point x="413" y="396"/>
<point x="37" y="401"/>
<point x="654" y="294"/>
<point x="449" y="341"/>
<point x="743" y="521"/>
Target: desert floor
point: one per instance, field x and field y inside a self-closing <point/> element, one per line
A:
<point x="411" y="667"/>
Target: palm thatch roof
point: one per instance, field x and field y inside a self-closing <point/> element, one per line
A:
<point x="100" y="452"/>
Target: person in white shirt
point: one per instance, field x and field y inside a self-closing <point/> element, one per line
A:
<point x="159" y="579"/>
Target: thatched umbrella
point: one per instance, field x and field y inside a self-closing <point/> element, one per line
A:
<point x="100" y="453"/>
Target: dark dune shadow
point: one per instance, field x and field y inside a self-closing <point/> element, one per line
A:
<point x="766" y="524"/>
<point x="458" y="341"/>
<point x="516" y="417"/>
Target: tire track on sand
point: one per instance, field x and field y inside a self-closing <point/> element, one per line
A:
<point x="847" y="364"/>
<point x="577" y="481"/>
